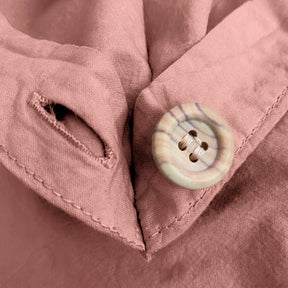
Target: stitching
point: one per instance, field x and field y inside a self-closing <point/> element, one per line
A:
<point x="37" y="101"/>
<point x="237" y="151"/>
<point x="268" y="112"/>
<point x="67" y="201"/>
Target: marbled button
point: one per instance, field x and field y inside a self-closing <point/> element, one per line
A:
<point x="193" y="146"/>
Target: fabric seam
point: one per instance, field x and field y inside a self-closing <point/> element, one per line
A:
<point x="67" y="201"/>
<point x="237" y="151"/>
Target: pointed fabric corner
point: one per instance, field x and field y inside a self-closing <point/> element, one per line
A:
<point x="77" y="163"/>
<point x="240" y="70"/>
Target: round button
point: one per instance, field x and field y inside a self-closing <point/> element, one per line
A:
<point x="193" y="146"/>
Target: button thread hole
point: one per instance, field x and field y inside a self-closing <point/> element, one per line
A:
<point x="199" y="146"/>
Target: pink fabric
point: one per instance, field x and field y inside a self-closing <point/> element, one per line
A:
<point x="113" y="68"/>
<point x="249" y="91"/>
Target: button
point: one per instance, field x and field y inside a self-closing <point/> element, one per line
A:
<point x="193" y="146"/>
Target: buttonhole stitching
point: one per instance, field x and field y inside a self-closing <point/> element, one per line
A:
<point x="38" y="103"/>
<point x="236" y="153"/>
<point x="68" y="201"/>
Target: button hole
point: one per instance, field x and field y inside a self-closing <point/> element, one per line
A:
<point x="182" y="145"/>
<point x="204" y="145"/>
<point x="193" y="133"/>
<point x="72" y="128"/>
<point x="193" y="157"/>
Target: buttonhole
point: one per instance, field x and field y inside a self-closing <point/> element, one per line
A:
<point x="57" y="110"/>
<point x="193" y="157"/>
<point x="204" y="145"/>
<point x="73" y="128"/>
<point x="182" y="145"/>
<point x="193" y="133"/>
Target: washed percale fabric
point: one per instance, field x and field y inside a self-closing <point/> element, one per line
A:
<point x="83" y="84"/>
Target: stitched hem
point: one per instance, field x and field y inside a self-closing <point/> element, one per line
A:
<point x="68" y="201"/>
<point x="237" y="151"/>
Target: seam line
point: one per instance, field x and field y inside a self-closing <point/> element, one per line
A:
<point x="236" y="153"/>
<point x="68" y="201"/>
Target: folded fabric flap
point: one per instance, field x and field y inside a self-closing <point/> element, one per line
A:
<point x="247" y="86"/>
<point x="172" y="27"/>
<point x="61" y="129"/>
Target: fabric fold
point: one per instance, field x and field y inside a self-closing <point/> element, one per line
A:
<point x="247" y="85"/>
<point x="67" y="109"/>
<point x="89" y="182"/>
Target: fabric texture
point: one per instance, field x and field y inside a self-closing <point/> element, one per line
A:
<point x="83" y="84"/>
